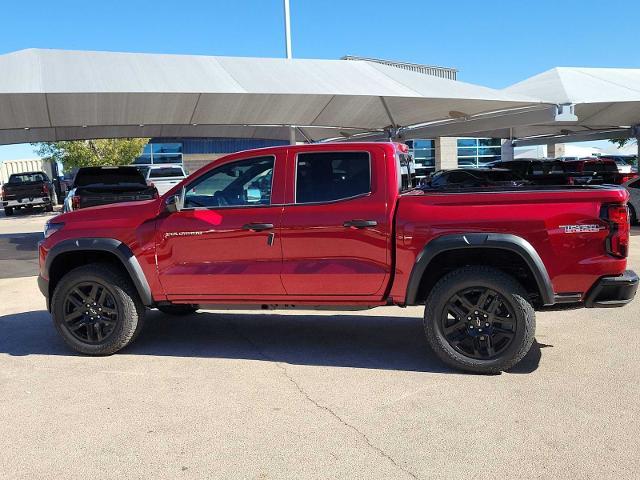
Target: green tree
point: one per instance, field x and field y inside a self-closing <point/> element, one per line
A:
<point x="621" y="142"/>
<point x="92" y="153"/>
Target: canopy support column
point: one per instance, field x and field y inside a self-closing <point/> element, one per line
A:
<point x="446" y="153"/>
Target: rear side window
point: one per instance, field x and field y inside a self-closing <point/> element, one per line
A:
<point x="330" y="176"/>
<point x="601" y="167"/>
<point x="166" y="172"/>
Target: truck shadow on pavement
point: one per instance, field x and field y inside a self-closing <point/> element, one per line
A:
<point x="340" y="340"/>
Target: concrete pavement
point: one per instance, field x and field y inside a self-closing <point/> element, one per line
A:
<point x="315" y="395"/>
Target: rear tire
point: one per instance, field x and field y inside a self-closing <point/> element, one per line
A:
<point x="478" y="319"/>
<point x="48" y="207"/>
<point x="8" y="211"/>
<point x="179" y="310"/>
<point x="96" y="309"/>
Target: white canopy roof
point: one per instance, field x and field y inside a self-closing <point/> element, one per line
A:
<point x="57" y="94"/>
<point x="606" y="102"/>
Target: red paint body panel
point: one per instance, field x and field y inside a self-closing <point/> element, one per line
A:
<point x="205" y="256"/>
<point x="323" y="257"/>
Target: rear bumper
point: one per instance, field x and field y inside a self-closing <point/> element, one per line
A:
<point x="613" y="291"/>
<point x="23" y="202"/>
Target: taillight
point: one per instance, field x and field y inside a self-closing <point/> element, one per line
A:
<point x="617" y="216"/>
<point x="4" y="192"/>
<point x="571" y="181"/>
<point x="45" y="189"/>
<point x="75" y="202"/>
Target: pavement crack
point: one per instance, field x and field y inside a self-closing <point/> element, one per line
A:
<point x="320" y="406"/>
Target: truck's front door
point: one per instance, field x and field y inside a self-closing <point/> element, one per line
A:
<point x="223" y="243"/>
<point x="336" y="225"/>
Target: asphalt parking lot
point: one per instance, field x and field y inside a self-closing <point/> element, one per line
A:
<point x="308" y="395"/>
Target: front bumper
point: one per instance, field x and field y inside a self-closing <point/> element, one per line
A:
<point x="613" y="291"/>
<point x="43" y="285"/>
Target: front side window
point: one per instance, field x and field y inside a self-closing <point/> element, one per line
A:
<point x="242" y="183"/>
<point x="330" y="176"/>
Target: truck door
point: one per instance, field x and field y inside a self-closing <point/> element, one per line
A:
<point x="336" y="226"/>
<point x="224" y="242"/>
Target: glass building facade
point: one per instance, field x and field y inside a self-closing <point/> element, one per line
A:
<point x="160" y="152"/>
<point x="477" y="152"/>
<point x="472" y="152"/>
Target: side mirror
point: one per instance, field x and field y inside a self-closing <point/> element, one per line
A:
<point x="175" y="203"/>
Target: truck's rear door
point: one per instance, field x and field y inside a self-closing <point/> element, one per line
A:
<point x="336" y="225"/>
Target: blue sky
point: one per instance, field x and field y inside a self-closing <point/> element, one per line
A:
<point x="494" y="43"/>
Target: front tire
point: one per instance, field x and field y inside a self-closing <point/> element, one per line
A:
<point x="8" y="211"/>
<point x="478" y="319"/>
<point x="96" y="309"/>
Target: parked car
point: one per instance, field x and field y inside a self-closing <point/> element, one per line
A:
<point x="591" y="171"/>
<point x="598" y="171"/>
<point x="472" y="178"/>
<point x="626" y="163"/>
<point x="28" y="190"/>
<point x="328" y="226"/>
<point x="633" y="187"/>
<point x="536" y="171"/>
<point x="93" y="186"/>
<point x="163" y="177"/>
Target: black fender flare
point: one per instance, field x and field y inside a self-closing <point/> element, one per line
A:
<point x="110" y="245"/>
<point x="503" y="241"/>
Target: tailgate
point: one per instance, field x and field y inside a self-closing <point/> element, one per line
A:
<point x="95" y="197"/>
<point x="22" y="191"/>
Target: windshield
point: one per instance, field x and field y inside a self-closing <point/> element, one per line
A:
<point x="18" y="178"/>
<point x="166" y="172"/>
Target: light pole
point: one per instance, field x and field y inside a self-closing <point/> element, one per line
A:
<point x="287" y="43"/>
<point x="287" y="28"/>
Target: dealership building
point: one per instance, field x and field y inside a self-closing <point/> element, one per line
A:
<point x="429" y="154"/>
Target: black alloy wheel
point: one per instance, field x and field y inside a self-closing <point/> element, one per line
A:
<point x="90" y="312"/>
<point x="478" y="322"/>
<point x="96" y="309"/>
<point x="479" y="319"/>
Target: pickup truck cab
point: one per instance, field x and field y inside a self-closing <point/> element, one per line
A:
<point x="329" y="226"/>
<point x="28" y="190"/>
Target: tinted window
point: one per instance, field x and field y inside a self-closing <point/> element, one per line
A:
<point x="635" y="184"/>
<point x="324" y="177"/>
<point x="108" y="176"/>
<point x="242" y="183"/>
<point x="28" y="177"/>
<point x="500" y="176"/>
<point x="600" y="167"/>
<point x="166" y="172"/>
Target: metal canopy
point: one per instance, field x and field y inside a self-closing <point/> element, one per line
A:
<point x="606" y="102"/>
<point x="48" y="95"/>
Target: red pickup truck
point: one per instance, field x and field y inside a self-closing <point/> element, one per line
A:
<point x="328" y="225"/>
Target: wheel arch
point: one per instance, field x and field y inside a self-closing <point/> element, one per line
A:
<point x="454" y="251"/>
<point x="70" y="254"/>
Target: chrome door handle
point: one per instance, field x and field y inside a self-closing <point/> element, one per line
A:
<point x="360" y="223"/>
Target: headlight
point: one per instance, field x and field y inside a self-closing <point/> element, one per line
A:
<point x="50" y="228"/>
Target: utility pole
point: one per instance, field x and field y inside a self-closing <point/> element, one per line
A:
<point x="287" y="42"/>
